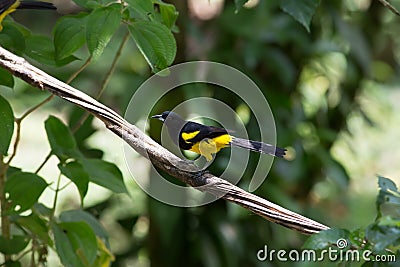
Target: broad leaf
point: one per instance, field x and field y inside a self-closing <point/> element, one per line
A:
<point x="6" y="78"/>
<point x="12" y="263"/>
<point x="76" y="244"/>
<point x="388" y="196"/>
<point x="104" y="255"/>
<point x="168" y="13"/>
<point x="13" y="245"/>
<point x="101" y="25"/>
<point x="105" y="174"/>
<point x="140" y="9"/>
<point x="80" y="215"/>
<point x="382" y="236"/>
<point x="300" y="10"/>
<point x="61" y="140"/>
<point x="156" y="42"/>
<point x="36" y="226"/>
<point x="327" y="238"/>
<point x="41" y="49"/>
<point x="23" y="190"/>
<point x="6" y="125"/>
<point x="13" y="37"/>
<point x="90" y="4"/>
<point x="69" y="35"/>
<point x="77" y="174"/>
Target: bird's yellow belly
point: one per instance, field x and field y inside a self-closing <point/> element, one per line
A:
<point x="207" y="147"/>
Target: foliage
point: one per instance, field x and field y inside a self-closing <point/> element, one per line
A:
<point x="312" y="60"/>
<point x="379" y="242"/>
<point x="76" y="235"/>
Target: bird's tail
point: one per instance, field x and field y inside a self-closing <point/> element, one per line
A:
<point x="35" y="5"/>
<point x="258" y="147"/>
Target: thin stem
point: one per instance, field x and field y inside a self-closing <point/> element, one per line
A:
<point x="5" y="222"/>
<point x="21" y="255"/>
<point x="33" y="253"/>
<point x="16" y="142"/>
<point x="44" y="162"/>
<point x="53" y="210"/>
<point x="65" y="186"/>
<point x="105" y="82"/>
<point x="18" y="121"/>
<point x="29" y="111"/>
<point x="113" y="66"/>
<point x="76" y="73"/>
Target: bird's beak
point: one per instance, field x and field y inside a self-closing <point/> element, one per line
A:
<point x="159" y="117"/>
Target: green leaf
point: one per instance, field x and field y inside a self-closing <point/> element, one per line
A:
<point x="300" y="10"/>
<point x="69" y="35"/>
<point x="388" y="196"/>
<point x="11" y="170"/>
<point x="11" y="263"/>
<point x="13" y="245"/>
<point x="36" y="226"/>
<point x="13" y="36"/>
<point x="42" y="210"/>
<point x="41" y="49"/>
<point x="382" y="236"/>
<point x="140" y="9"/>
<point x="101" y="25"/>
<point x="327" y="238"/>
<point x="77" y="174"/>
<point x="6" y="125"/>
<point x="91" y="4"/>
<point x="155" y="42"/>
<point x="23" y="190"/>
<point x="168" y="13"/>
<point x="61" y="140"/>
<point x="105" y="174"/>
<point x="85" y="129"/>
<point x="80" y="215"/>
<point x="6" y="78"/>
<point x="76" y="243"/>
<point x="385" y="184"/>
<point x="104" y="255"/>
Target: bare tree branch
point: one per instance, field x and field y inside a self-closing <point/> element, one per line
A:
<point x="183" y="170"/>
<point x="390" y="7"/>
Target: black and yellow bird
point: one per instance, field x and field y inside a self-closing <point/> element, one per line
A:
<point x="209" y="140"/>
<point x="9" y="6"/>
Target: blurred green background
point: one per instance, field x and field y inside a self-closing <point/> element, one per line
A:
<point x="334" y="93"/>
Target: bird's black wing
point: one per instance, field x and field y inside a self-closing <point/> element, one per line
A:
<point x="4" y="5"/>
<point x="35" y="5"/>
<point x="203" y="131"/>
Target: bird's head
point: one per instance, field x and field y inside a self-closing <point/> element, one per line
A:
<point x="170" y="117"/>
<point x="163" y="116"/>
<point x="173" y="121"/>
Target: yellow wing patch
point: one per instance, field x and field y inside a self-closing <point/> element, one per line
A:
<point x="222" y="141"/>
<point x="188" y="136"/>
<point x="11" y="9"/>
